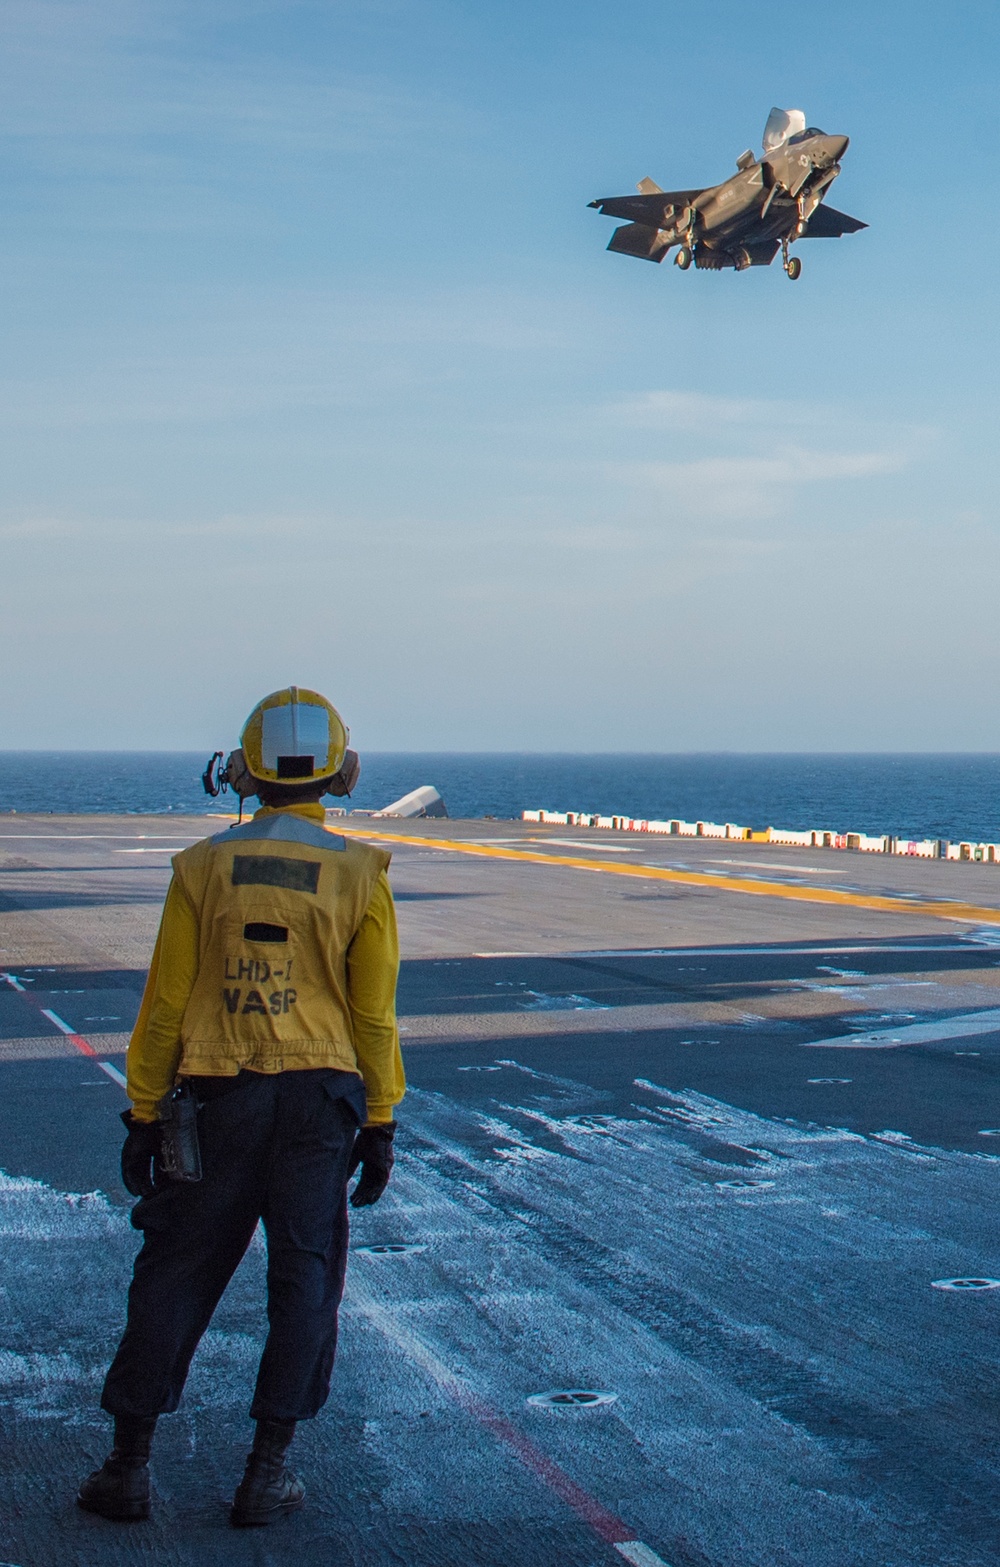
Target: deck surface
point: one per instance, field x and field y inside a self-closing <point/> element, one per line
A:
<point x="700" y="1144"/>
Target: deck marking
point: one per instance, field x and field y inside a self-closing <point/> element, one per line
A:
<point x="714" y="952"/>
<point x="963" y="1027"/>
<point x="83" y="1045"/>
<point x="965" y="1284"/>
<point x="638" y="1554"/>
<point x="775" y="865"/>
<point x="606" y="1525"/>
<point x="930" y="908"/>
<point x="114" y="1074"/>
<point x="733" y="951"/>
<point x="168" y="848"/>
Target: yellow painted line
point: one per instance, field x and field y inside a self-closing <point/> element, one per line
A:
<point x="966" y="913"/>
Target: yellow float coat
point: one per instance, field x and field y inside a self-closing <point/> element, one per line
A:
<point x="277" y="951"/>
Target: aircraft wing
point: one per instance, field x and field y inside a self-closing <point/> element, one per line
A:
<point x="828" y="223"/>
<point x="648" y="209"/>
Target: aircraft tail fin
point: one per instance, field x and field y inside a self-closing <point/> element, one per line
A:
<point x="648" y="187"/>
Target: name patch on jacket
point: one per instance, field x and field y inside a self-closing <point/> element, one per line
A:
<point x="270" y="870"/>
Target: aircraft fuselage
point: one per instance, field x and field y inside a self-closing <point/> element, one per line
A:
<point x="766" y="205"/>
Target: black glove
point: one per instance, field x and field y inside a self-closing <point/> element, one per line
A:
<point x="373" y="1151"/>
<point x="140" y="1153"/>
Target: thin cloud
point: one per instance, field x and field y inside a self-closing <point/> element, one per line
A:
<point x="754" y="487"/>
<point x="668" y="410"/>
<point x="707" y="414"/>
<point x="83" y="84"/>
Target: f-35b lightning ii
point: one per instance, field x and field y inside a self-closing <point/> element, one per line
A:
<point x="768" y="204"/>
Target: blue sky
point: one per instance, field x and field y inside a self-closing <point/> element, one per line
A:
<point x="315" y="368"/>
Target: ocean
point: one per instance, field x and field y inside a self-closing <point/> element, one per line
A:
<point x="954" y="796"/>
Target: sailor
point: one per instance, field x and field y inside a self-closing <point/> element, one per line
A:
<point x="269" y="1015"/>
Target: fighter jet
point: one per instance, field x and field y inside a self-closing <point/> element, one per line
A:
<point x="767" y="204"/>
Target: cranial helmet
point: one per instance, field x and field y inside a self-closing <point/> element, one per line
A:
<point x="293" y="739"/>
<point x="293" y="736"/>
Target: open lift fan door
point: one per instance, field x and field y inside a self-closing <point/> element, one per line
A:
<point x="782" y="123"/>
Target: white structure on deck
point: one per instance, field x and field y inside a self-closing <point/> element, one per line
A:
<point x="818" y="838"/>
<point x="419" y="802"/>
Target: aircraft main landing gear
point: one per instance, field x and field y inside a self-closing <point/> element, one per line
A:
<point x="683" y="258"/>
<point x="791" y="264"/>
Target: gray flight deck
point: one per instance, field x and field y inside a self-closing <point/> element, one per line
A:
<point x="710" y="1152"/>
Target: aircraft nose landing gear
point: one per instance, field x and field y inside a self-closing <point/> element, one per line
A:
<point x="683" y="258"/>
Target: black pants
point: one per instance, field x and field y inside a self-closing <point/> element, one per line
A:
<point x="274" y="1148"/>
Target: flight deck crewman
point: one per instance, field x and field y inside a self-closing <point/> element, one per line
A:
<point x="270" y="1006"/>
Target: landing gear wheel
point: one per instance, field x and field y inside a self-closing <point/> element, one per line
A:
<point x="793" y="267"/>
<point x="683" y="258"/>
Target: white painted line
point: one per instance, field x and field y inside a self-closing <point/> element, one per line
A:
<point x="54" y="1017"/>
<point x="556" y="843"/>
<point x="707" y="952"/>
<point x="638" y="1554"/>
<point x="168" y="848"/>
<point x="83" y="1045"/>
<point x="88" y="1049"/>
<point x="774" y="865"/>
<point x="571" y="843"/>
<point x="734" y="951"/>
<point x="915" y="1033"/>
<point x="15" y="984"/>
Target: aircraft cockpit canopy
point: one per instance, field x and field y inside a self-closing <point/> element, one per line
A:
<point x="783" y="125"/>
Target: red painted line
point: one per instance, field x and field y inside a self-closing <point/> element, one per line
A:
<point x="608" y="1527"/>
<point x="83" y="1045"/>
<point x="77" y="1040"/>
<point x="606" y="1524"/>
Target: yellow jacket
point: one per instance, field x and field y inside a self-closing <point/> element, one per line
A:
<point x="249" y="974"/>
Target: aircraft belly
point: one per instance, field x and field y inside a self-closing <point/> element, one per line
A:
<point x="722" y="218"/>
<point x="776" y="225"/>
<point x="749" y="232"/>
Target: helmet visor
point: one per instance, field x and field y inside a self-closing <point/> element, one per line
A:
<point x="295" y="740"/>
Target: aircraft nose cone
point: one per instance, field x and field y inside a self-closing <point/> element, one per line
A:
<point x="837" y="146"/>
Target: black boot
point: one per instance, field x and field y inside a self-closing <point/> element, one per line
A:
<point x="120" y="1488"/>
<point x="268" y="1490"/>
